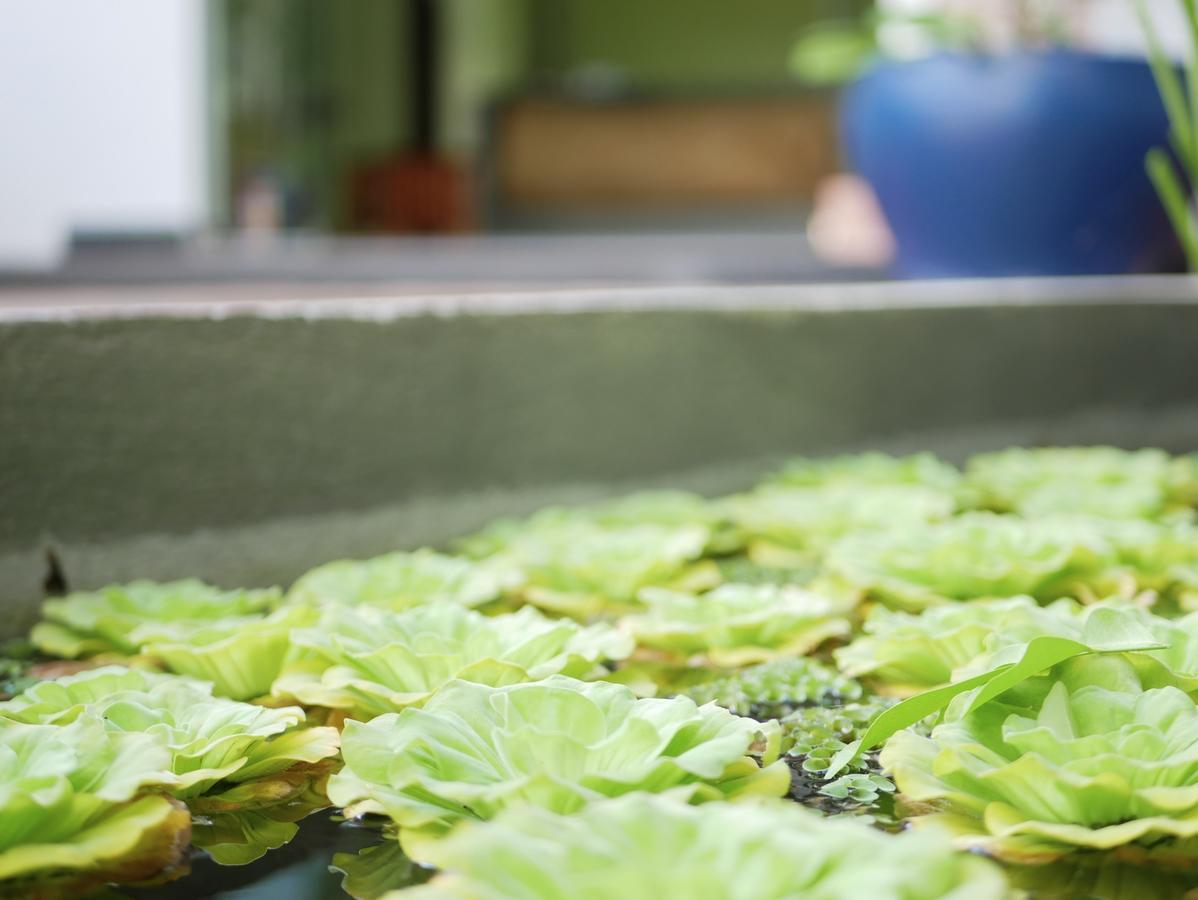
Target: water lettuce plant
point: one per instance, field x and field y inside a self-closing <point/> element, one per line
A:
<point x="241" y="657"/>
<point x="399" y="581"/>
<point x="973" y="556"/>
<point x="77" y="805"/>
<point x="662" y="508"/>
<point x="583" y="570"/>
<point x="1085" y="758"/>
<point x="868" y="469"/>
<point x="121" y="617"/>
<point x="473" y="750"/>
<point x="904" y="653"/>
<point x="212" y="741"/>
<point x="367" y="662"/>
<point x="735" y="624"/>
<point x="645" y="847"/>
<point x="187" y="627"/>
<point x="1103" y="481"/>
<point x="787" y="526"/>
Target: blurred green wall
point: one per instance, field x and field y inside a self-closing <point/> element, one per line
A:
<point x="676" y="44"/>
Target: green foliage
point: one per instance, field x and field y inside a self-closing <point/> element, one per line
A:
<point x="1102" y="481"/>
<point x="240" y="657"/>
<point x="212" y="741"/>
<point x="785" y="526"/>
<point x="905" y="653"/>
<point x="1086" y="758"/>
<point x="70" y="800"/>
<point x="187" y="627"/>
<point x="868" y="469"/>
<point x="735" y="624"/>
<point x="974" y="556"/>
<point x="560" y="743"/>
<point x="667" y="509"/>
<point x="400" y="581"/>
<point x="1175" y="182"/>
<point x="123" y="618"/>
<point x="777" y="688"/>
<point x="582" y="569"/>
<point x="643" y="847"/>
<point x="368" y="662"/>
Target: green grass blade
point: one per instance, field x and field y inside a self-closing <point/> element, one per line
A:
<point x="1173" y="94"/>
<point x="1176" y="201"/>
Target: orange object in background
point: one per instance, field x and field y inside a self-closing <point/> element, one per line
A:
<point x="416" y="193"/>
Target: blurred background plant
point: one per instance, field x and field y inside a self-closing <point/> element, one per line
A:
<point x="234" y="126"/>
<point x="1175" y="175"/>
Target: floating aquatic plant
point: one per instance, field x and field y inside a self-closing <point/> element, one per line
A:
<point x="583" y="570"/>
<point x="662" y="508"/>
<point x="644" y="847"/>
<point x="735" y="624"/>
<point x="974" y="556"/>
<point x="367" y="662"/>
<point x="187" y="627"/>
<point x="399" y="581"/>
<point x="120" y="618"/>
<point x="77" y="806"/>
<point x="1087" y="758"/>
<point x="212" y="740"/>
<point x="786" y="526"/>
<point x="1102" y="481"/>
<point x="560" y="743"/>
<point x="905" y="653"/>
<point x="868" y="469"/>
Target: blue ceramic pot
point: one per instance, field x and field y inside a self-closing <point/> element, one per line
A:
<point x="1025" y="164"/>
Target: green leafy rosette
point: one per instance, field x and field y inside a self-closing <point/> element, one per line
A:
<point x="560" y="743"/>
<point x="792" y="526"/>
<point x="74" y="807"/>
<point x="735" y="624"/>
<point x="645" y="847"/>
<point x="1086" y="758"/>
<point x="240" y="657"/>
<point x="399" y="581"/>
<point x="1101" y="481"/>
<point x="975" y="556"/>
<point x="584" y="570"/>
<point x="212" y="741"/>
<point x="868" y="470"/>
<point x="904" y="653"/>
<point x="367" y="662"/>
<point x="186" y="627"/>
<point x="118" y="618"/>
<point x="668" y="509"/>
<point x="1161" y="558"/>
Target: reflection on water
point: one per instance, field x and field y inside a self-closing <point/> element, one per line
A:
<point x="299" y="870"/>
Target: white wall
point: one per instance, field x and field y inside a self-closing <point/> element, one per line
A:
<point x="1102" y="26"/>
<point x="102" y="121"/>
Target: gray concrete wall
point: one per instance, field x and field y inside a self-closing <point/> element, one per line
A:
<point x="245" y="442"/>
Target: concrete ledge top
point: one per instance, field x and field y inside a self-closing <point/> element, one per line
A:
<point x="383" y="303"/>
